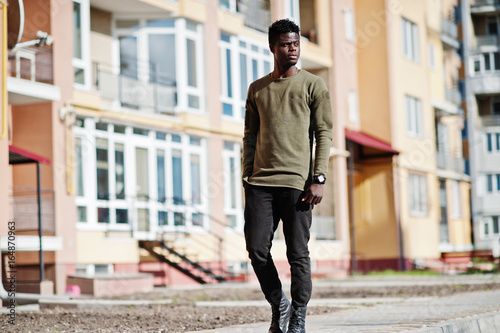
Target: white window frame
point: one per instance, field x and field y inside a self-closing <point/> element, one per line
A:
<point x="182" y="34"/>
<point x="487" y="223"/>
<point x="482" y="70"/>
<point x="132" y="141"/>
<point x="261" y="56"/>
<point x="349" y="24"/>
<point x="495" y="142"/>
<point x="418" y="191"/>
<point x="353" y="106"/>
<point x="410" y="40"/>
<point x="414" y="117"/>
<point x="495" y="186"/>
<point x="84" y="62"/>
<point x="292" y="10"/>
<point x="236" y="211"/>
<point x="456" y="200"/>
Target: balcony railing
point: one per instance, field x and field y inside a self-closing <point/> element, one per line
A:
<point x="477" y="3"/>
<point x="32" y="63"/>
<point x="448" y="162"/>
<point x="485" y="6"/>
<point x="449" y="28"/>
<point x="25" y="207"/>
<point x="453" y="95"/>
<point x="257" y="14"/>
<point x="487" y="40"/>
<point x="490" y="120"/>
<point x="153" y="95"/>
<point x="487" y="83"/>
<point x="449" y="33"/>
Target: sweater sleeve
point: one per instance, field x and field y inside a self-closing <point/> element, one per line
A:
<point x="322" y="125"/>
<point x="252" y="123"/>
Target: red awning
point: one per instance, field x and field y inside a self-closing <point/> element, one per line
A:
<point x="20" y="156"/>
<point x="368" y="140"/>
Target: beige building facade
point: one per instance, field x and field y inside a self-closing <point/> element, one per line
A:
<point x="138" y="133"/>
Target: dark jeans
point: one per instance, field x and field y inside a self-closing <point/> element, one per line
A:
<point x="264" y="207"/>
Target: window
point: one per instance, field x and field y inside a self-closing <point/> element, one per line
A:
<point x="232" y="185"/>
<point x="456" y="207"/>
<point x="81" y="30"/>
<point x="352" y="101"/>
<point x="152" y="183"/>
<point x="495" y="106"/>
<point x="160" y="174"/>
<point x="487" y="62"/>
<point x="177" y="176"/>
<point x="292" y="10"/>
<point x="491" y="227"/>
<point x="493" y="183"/>
<point x="119" y="171"/>
<point x="350" y="30"/>
<point x="492" y="24"/>
<point x="102" y="167"/>
<point x="493" y="142"/>
<point x="417" y="188"/>
<point x="432" y="57"/>
<point x="442" y="141"/>
<point x="411" y="49"/>
<point x="242" y="61"/>
<point x="162" y="57"/>
<point x="79" y="167"/>
<point x="414" y="119"/>
<point x="195" y="179"/>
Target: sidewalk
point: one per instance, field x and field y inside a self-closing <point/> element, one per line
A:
<point x="465" y="313"/>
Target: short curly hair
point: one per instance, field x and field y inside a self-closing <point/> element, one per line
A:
<point x="281" y="27"/>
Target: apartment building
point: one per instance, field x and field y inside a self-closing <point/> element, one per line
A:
<point x="159" y="95"/>
<point x="137" y="131"/>
<point x="35" y="145"/>
<point x="408" y="77"/>
<point x="481" y="21"/>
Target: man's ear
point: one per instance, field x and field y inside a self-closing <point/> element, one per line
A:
<point x="271" y="48"/>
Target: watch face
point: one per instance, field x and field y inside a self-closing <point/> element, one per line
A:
<point x="320" y="179"/>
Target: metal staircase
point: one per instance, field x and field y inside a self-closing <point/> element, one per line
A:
<point x="182" y="263"/>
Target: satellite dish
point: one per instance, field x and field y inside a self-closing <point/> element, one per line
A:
<point x="15" y="21"/>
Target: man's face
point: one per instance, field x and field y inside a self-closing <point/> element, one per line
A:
<point x="287" y="49"/>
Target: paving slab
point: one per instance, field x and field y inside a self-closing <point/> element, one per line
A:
<point x="476" y="312"/>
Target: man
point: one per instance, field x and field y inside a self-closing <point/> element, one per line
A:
<point x="285" y="111"/>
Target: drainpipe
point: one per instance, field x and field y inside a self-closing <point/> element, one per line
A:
<point x="4" y="69"/>
<point x="40" y="231"/>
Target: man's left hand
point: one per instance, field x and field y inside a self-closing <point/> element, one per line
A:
<point x="314" y="194"/>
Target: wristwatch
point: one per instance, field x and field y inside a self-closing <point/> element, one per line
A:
<point x="319" y="179"/>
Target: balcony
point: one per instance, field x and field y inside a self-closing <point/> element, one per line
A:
<point x="447" y="162"/>
<point x="25" y="206"/>
<point x="488" y="83"/>
<point x="490" y="120"/>
<point x="488" y="204"/>
<point x="257" y="14"/>
<point x="449" y="34"/>
<point x="485" y="6"/>
<point x="155" y="95"/>
<point x="31" y="76"/>
<point x="453" y="95"/>
<point x="486" y="41"/>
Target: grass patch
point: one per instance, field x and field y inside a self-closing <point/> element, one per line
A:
<point x="390" y="272"/>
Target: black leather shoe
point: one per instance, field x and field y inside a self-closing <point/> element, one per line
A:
<point x="281" y="315"/>
<point x="298" y="320"/>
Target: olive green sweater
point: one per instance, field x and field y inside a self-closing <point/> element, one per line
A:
<point x="282" y="118"/>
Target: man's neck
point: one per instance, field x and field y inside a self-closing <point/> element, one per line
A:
<point x="284" y="73"/>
